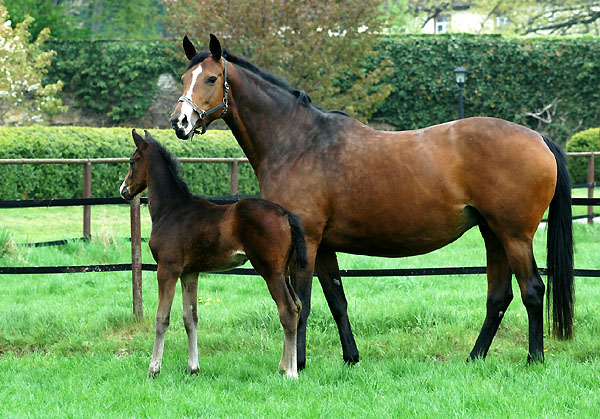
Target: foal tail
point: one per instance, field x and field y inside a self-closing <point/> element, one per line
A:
<point x="298" y="246"/>
<point x="560" y="250"/>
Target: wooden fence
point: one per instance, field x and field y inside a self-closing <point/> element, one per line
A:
<point x="137" y="266"/>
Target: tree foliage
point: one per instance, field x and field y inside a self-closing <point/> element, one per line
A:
<point x="311" y="43"/>
<point x="56" y="15"/>
<point x="23" y="96"/>
<point x="557" y="17"/>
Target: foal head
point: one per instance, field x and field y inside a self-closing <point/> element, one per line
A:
<point x="137" y="177"/>
<point x="204" y="96"/>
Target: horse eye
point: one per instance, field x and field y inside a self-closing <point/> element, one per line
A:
<point x="211" y="80"/>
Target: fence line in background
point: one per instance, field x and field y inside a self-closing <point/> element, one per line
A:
<point x="136" y="265"/>
<point x="233" y="163"/>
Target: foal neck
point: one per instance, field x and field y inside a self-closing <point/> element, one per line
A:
<point x="166" y="188"/>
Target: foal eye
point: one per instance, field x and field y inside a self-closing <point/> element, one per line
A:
<point x="211" y="80"/>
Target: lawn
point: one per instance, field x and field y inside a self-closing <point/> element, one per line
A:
<point x="69" y="346"/>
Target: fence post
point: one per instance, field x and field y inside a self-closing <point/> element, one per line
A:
<point x="233" y="177"/>
<point x="87" y="193"/>
<point x="590" y="181"/>
<point x="136" y="258"/>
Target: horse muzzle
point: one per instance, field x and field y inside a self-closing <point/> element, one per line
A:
<point x="125" y="192"/>
<point x="179" y="126"/>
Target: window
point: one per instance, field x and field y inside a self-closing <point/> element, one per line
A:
<point x="442" y="24"/>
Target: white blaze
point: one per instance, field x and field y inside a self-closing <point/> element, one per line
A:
<point x="186" y="109"/>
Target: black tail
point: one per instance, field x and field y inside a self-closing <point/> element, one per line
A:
<point x="560" y="250"/>
<point x="298" y="246"/>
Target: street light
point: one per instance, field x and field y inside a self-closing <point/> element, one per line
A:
<point x="461" y="76"/>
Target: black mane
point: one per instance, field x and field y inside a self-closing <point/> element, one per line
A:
<point x="173" y="167"/>
<point x="303" y="98"/>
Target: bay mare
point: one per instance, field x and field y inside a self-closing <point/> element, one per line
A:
<point x="191" y="235"/>
<point x="362" y="191"/>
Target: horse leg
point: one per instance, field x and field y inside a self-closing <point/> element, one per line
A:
<point x="288" y="310"/>
<point x="499" y="293"/>
<point x="328" y="271"/>
<point x="167" y="280"/>
<point x="522" y="262"/>
<point x="302" y="284"/>
<point x="189" y="294"/>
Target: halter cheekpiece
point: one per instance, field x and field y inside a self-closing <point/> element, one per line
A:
<point x="202" y="113"/>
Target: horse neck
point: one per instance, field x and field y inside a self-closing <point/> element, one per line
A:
<point x="265" y="118"/>
<point x="164" y="189"/>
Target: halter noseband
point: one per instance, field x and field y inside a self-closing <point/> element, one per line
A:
<point x="202" y="113"/>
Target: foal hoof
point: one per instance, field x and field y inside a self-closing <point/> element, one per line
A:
<point x="288" y="374"/>
<point x="351" y="360"/>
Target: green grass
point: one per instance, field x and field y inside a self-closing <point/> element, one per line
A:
<point x="69" y="346"/>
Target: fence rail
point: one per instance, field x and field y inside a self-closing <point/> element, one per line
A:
<point x="137" y="266"/>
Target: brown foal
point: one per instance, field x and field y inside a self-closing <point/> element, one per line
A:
<point x="191" y="235"/>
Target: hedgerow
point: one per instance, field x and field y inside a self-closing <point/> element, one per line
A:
<point x="66" y="181"/>
<point x="508" y="78"/>
<point x="588" y="140"/>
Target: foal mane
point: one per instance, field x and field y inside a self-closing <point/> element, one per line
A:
<point x="172" y="166"/>
<point x="303" y="97"/>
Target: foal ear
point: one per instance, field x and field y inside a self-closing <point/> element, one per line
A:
<point x="215" y="47"/>
<point x="140" y="143"/>
<point x="189" y="48"/>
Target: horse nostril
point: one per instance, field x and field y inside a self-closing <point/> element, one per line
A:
<point x="184" y="121"/>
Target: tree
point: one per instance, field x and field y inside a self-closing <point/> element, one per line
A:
<point x="23" y="97"/>
<point x="117" y="19"/>
<point x="544" y="17"/>
<point x="324" y="47"/>
<point x="56" y="15"/>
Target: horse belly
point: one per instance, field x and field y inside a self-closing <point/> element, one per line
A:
<point x="395" y="234"/>
<point x="217" y="263"/>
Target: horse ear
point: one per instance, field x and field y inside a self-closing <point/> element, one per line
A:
<point x="140" y="143"/>
<point x="189" y="48"/>
<point x="215" y="47"/>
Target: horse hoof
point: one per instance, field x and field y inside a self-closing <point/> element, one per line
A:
<point x="153" y="374"/>
<point x="351" y="360"/>
<point x="535" y="358"/>
<point x="193" y="371"/>
<point x="301" y="365"/>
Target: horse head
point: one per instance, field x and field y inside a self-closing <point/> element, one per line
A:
<point x="205" y="90"/>
<point x="137" y="177"/>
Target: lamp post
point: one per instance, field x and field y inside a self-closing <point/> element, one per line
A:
<point x="461" y="76"/>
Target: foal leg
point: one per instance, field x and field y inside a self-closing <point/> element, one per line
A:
<point x="499" y="293"/>
<point x="167" y="279"/>
<point x="328" y="271"/>
<point x="189" y="293"/>
<point x="520" y="256"/>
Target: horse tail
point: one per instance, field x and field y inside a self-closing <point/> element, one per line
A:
<point x="298" y="245"/>
<point x="560" y="250"/>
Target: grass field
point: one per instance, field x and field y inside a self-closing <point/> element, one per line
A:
<point x="69" y="346"/>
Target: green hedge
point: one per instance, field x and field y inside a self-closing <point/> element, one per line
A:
<point x="116" y="79"/>
<point x="66" y="181"/>
<point x="508" y="77"/>
<point x="588" y="140"/>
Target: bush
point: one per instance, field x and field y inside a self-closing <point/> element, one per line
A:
<point x="66" y="181"/>
<point x="588" y="140"/>
<point x="508" y="78"/>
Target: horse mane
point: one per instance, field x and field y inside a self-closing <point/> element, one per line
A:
<point x="173" y="166"/>
<point x="303" y="97"/>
